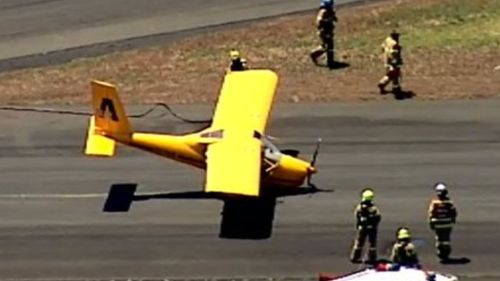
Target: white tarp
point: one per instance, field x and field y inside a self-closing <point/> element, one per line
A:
<point x="403" y="274"/>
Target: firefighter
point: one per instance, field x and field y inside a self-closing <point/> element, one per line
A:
<point x="237" y="62"/>
<point x="367" y="219"/>
<point x="325" y="24"/>
<point x="404" y="252"/>
<point x="442" y="217"/>
<point x="393" y="61"/>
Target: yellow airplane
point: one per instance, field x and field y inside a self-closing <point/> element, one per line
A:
<point x="243" y="168"/>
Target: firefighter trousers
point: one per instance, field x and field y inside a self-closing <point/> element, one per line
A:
<point x="443" y="242"/>
<point x="362" y="235"/>
<point x="392" y="75"/>
<point x="327" y="47"/>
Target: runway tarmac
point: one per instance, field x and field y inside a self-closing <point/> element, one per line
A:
<point x="51" y="225"/>
<point x="41" y="32"/>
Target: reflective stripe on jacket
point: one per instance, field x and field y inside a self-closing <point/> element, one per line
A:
<point x="442" y="213"/>
<point x="392" y="52"/>
<point x="367" y="215"/>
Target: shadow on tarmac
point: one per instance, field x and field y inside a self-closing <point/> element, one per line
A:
<point x="456" y="261"/>
<point x="401" y="94"/>
<point x="336" y="65"/>
<point x="242" y="217"/>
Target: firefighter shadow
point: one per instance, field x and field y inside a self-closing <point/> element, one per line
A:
<point x="456" y="261"/>
<point x="336" y="65"/>
<point x="402" y="94"/>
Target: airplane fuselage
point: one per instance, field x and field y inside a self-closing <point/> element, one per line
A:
<point x="280" y="171"/>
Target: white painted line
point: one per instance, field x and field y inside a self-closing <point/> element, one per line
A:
<point x="53" y="196"/>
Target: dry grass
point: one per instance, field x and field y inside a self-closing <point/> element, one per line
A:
<point x="449" y="54"/>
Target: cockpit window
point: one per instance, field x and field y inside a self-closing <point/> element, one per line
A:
<point x="271" y="152"/>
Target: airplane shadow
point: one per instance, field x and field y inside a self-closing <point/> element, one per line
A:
<point x="243" y="217"/>
<point x="456" y="261"/>
<point x="247" y="218"/>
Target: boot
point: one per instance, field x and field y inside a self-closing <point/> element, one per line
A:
<point x="356" y="256"/>
<point x="330" y="61"/>
<point x="443" y="252"/>
<point x="398" y="93"/>
<point x="314" y="59"/>
<point x="381" y="88"/>
<point x="372" y="257"/>
<point x="314" y="55"/>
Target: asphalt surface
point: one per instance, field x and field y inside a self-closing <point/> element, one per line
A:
<point x="40" y="32"/>
<point x="51" y="225"/>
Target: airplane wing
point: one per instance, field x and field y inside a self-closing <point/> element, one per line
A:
<point x="233" y="162"/>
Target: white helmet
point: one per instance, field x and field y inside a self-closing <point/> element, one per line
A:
<point x="440" y="187"/>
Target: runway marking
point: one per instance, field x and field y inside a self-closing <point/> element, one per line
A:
<point x="176" y="279"/>
<point x="478" y="275"/>
<point x="68" y="195"/>
<point x="53" y="196"/>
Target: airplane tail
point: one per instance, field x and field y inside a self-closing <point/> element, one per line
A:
<point x="109" y="122"/>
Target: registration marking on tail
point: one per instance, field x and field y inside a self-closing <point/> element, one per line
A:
<point x="107" y="104"/>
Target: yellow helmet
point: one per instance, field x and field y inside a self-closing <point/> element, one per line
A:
<point x="403" y="233"/>
<point x="367" y="194"/>
<point x="234" y="54"/>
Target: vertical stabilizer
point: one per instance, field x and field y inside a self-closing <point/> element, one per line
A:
<point x="109" y="114"/>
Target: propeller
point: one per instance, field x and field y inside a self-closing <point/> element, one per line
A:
<point x="315" y="155"/>
<point x="313" y="163"/>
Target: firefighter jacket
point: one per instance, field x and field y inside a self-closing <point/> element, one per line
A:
<point x="442" y="213"/>
<point x="238" y="64"/>
<point x="392" y="52"/>
<point x="325" y="22"/>
<point x="404" y="254"/>
<point x="367" y="215"/>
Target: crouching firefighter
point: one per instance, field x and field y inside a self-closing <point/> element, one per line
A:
<point x="367" y="219"/>
<point x="325" y="24"/>
<point x="404" y="252"/>
<point x="442" y="217"/>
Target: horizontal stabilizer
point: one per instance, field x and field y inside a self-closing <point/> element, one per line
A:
<point x="96" y="144"/>
<point x="120" y="197"/>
